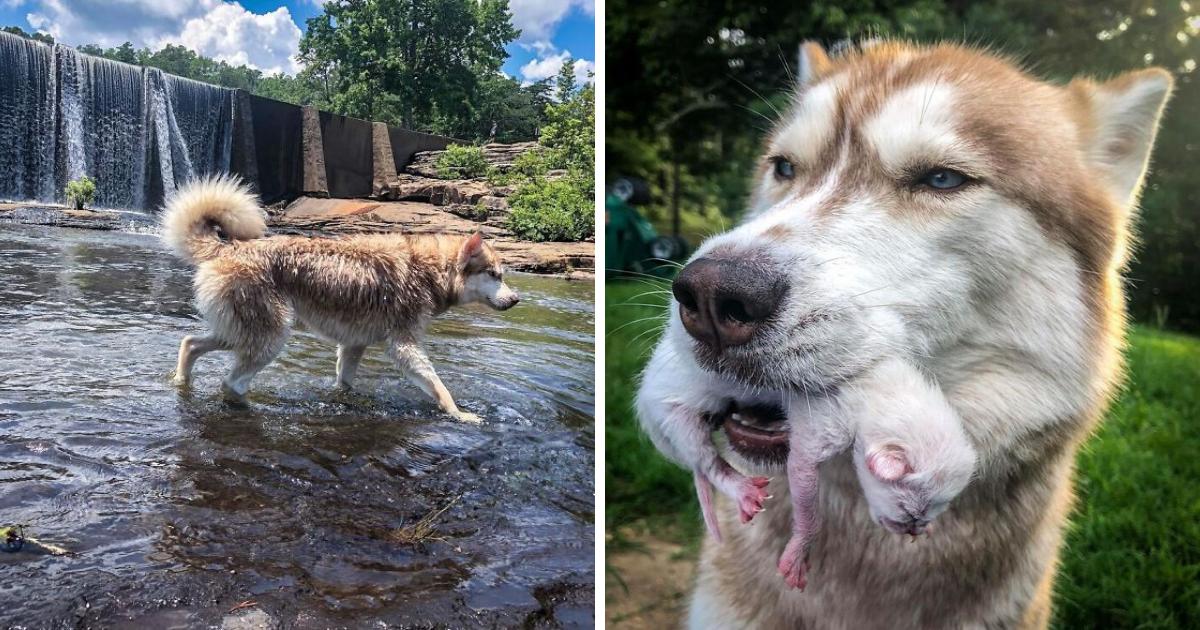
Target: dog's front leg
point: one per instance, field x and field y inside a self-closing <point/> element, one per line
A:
<point x="416" y="365"/>
<point x="190" y="349"/>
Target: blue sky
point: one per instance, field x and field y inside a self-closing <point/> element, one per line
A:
<point x="264" y="33"/>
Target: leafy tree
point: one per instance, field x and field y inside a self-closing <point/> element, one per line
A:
<point x="413" y="62"/>
<point x="570" y="130"/>
<point x="17" y="30"/>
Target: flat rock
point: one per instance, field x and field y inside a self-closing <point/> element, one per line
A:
<point x="249" y="619"/>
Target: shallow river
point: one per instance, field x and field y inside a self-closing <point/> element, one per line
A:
<point x="178" y="507"/>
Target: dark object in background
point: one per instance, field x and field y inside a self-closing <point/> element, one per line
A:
<point x="632" y="245"/>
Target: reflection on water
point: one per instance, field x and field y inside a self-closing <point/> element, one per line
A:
<point x="178" y="506"/>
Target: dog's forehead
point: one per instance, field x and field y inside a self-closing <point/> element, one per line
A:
<point x="898" y="101"/>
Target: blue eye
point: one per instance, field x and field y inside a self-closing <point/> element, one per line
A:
<point x="784" y="169"/>
<point x="944" y="179"/>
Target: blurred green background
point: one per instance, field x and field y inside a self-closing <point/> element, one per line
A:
<point x="691" y="89"/>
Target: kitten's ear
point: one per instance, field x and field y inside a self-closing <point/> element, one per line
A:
<point x="472" y="247"/>
<point x="1123" y="117"/>
<point x="889" y="463"/>
<point x="813" y="63"/>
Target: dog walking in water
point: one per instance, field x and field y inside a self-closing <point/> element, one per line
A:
<point x="353" y="290"/>
<point x="937" y="210"/>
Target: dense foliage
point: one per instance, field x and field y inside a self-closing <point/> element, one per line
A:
<point x="552" y="210"/>
<point x="688" y="100"/>
<point x="462" y="162"/>
<point x="562" y="209"/>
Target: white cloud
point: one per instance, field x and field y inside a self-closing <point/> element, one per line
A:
<point x="546" y="67"/>
<point x="230" y="33"/>
<point x="538" y="19"/>
<point x="225" y="31"/>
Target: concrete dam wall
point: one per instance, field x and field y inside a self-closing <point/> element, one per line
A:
<point x="141" y="133"/>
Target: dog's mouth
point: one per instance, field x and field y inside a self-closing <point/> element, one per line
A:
<point x="758" y="432"/>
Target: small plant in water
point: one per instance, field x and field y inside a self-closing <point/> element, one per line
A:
<point x="81" y="192"/>
<point x="424" y="529"/>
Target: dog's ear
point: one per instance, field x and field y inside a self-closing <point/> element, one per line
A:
<point x="1124" y="117"/>
<point x="812" y="64"/>
<point x="471" y="248"/>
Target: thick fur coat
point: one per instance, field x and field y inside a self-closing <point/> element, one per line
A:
<point x="1001" y="281"/>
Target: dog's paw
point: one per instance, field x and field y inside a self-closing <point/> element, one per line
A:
<point x="468" y="417"/>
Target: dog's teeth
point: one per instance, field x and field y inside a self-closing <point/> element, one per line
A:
<point x="736" y="416"/>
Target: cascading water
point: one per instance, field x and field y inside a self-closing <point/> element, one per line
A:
<point x="137" y="131"/>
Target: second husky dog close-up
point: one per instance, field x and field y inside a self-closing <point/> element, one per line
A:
<point x="880" y="374"/>
<point x="355" y="291"/>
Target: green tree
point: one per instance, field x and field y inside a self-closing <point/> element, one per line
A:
<point x="414" y="62"/>
<point x="17" y="30"/>
<point x="571" y="123"/>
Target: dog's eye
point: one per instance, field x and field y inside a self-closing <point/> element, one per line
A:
<point x="784" y="168"/>
<point x="944" y="179"/>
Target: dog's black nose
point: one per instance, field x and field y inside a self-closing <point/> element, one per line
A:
<point x="724" y="301"/>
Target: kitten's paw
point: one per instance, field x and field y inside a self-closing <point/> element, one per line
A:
<point x="752" y="491"/>
<point x="793" y="564"/>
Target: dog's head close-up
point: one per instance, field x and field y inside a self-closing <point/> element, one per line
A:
<point x="482" y="276"/>
<point x="910" y="197"/>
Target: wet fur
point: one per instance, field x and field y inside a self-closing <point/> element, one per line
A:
<point x="1007" y="294"/>
<point x="354" y="290"/>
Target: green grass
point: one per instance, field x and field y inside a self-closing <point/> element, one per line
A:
<point x="1132" y="558"/>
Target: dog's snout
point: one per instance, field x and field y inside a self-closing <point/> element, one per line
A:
<point x="723" y="302"/>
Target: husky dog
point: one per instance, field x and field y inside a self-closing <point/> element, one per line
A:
<point x="355" y="291"/>
<point x="940" y="205"/>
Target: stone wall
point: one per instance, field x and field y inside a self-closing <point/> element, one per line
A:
<point x="303" y="151"/>
<point x="141" y="133"/>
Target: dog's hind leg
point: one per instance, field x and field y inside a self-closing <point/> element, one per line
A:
<point x="190" y="349"/>
<point x="251" y="360"/>
<point x="237" y="382"/>
<point x="348" y="359"/>
<point x="417" y="367"/>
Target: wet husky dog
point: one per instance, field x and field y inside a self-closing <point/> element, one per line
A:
<point x="938" y="206"/>
<point x="354" y="290"/>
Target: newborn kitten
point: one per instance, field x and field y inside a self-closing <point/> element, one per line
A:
<point x="911" y="454"/>
<point x="676" y="416"/>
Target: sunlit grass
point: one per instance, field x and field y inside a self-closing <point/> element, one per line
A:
<point x="1133" y="549"/>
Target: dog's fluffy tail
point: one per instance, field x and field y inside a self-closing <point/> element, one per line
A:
<point x="204" y="215"/>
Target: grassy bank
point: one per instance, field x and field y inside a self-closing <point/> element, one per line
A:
<point x="1133" y="551"/>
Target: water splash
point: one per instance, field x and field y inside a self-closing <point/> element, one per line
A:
<point x="138" y="132"/>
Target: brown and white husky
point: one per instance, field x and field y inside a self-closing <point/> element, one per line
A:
<point x="354" y="290"/>
<point x="931" y="207"/>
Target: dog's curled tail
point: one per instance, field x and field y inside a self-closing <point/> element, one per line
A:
<point x="202" y="216"/>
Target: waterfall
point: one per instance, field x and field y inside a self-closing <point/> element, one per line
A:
<point x="138" y="132"/>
